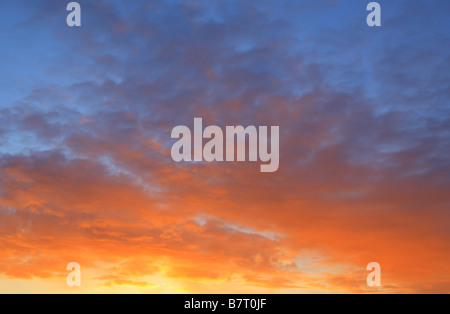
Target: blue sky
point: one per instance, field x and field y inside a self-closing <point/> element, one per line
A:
<point x="364" y="117"/>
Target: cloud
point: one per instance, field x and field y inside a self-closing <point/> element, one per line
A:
<point x="86" y="173"/>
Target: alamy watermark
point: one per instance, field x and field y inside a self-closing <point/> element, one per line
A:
<point x="374" y="278"/>
<point x="374" y="17"/>
<point x="235" y="138"/>
<point x="74" y="277"/>
<point x="74" y="17"/>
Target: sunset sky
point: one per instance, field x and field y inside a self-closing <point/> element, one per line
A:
<point x="86" y="174"/>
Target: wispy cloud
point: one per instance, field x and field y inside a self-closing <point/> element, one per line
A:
<point x="86" y="173"/>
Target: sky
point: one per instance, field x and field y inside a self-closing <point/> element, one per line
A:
<point x="86" y="174"/>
